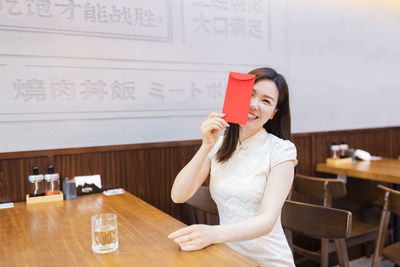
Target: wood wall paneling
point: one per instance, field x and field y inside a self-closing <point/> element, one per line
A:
<point x="148" y="170"/>
<point x="394" y="143"/>
<point x="305" y="153"/>
<point x="13" y="179"/>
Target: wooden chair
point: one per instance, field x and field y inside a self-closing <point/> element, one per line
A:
<point x="319" y="222"/>
<point x="327" y="190"/>
<point x="203" y="205"/>
<point x="390" y="200"/>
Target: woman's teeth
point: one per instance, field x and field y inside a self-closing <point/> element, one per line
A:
<point x="251" y="116"/>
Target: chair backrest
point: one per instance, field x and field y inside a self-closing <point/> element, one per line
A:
<point x="316" y="221"/>
<point x="202" y="200"/>
<point x="364" y="192"/>
<point x="321" y="188"/>
<point x="390" y="200"/>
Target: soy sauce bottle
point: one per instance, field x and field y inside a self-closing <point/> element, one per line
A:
<point x="335" y="149"/>
<point x="52" y="182"/>
<point x="36" y="183"/>
<point x="343" y="149"/>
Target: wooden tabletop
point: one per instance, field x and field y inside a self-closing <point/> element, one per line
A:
<point x="59" y="234"/>
<point x="384" y="170"/>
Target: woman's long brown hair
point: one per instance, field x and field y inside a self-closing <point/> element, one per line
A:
<point x="279" y="125"/>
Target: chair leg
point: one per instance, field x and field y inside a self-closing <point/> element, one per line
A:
<point x="324" y="252"/>
<point x="341" y="250"/>
<point x="376" y="261"/>
<point x="369" y="249"/>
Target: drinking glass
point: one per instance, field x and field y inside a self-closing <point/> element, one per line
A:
<point x="104" y="233"/>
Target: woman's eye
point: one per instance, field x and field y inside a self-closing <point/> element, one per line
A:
<point x="266" y="101"/>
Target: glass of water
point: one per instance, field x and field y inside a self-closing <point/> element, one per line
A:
<point x="104" y="233"/>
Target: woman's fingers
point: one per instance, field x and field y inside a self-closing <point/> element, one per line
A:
<point x="214" y="114"/>
<point x="216" y="121"/>
<point x="211" y="125"/>
<point x="183" y="235"/>
<point x="188" y="242"/>
<point x="189" y="248"/>
<point x="211" y="128"/>
<point x="218" y="116"/>
<point x="180" y="232"/>
<point x="183" y="239"/>
<point x="221" y="120"/>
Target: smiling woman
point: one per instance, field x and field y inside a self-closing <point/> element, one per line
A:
<point x="251" y="171"/>
<point x="268" y="84"/>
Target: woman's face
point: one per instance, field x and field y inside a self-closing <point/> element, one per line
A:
<point x="263" y="104"/>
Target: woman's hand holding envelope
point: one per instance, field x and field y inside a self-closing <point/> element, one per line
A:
<point x="212" y="127"/>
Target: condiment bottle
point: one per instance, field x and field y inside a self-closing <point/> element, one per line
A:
<point x="343" y="149"/>
<point x="52" y="182"/>
<point x="36" y="183"/>
<point x="334" y="148"/>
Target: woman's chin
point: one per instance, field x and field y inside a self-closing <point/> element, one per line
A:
<point x="251" y="124"/>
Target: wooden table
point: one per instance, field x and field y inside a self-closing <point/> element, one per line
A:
<point x="384" y="170"/>
<point x="59" y="234"/>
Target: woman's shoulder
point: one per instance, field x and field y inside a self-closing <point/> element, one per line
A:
<point x="276" y="141"/>
<point x="281" y="150"/>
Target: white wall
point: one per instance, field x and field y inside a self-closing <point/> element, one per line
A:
<point x="72" y="80"/>
<point x="344" y="61"/>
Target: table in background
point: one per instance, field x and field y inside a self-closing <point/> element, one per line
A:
<point x="59" y="234"/>
<point x="384" y="170"/>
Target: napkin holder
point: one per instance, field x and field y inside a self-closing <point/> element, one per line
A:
<point x="88" y="184"/>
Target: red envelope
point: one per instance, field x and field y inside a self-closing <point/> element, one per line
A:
<point x="238" y="97"/>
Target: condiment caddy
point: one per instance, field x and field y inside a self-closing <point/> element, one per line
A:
<point x="339" y="154"/>
<point x="44" y="188"/>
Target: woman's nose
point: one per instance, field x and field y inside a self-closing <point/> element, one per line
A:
<point x="253" y="102"/>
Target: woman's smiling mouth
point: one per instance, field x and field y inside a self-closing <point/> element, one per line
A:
<point x="251" y="116"/>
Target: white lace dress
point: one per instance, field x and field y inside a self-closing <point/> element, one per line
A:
<point x="237" y="187"/>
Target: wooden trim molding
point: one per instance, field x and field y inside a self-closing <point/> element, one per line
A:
<point x="353" y="131"/>
<point x="94" y="149"/>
